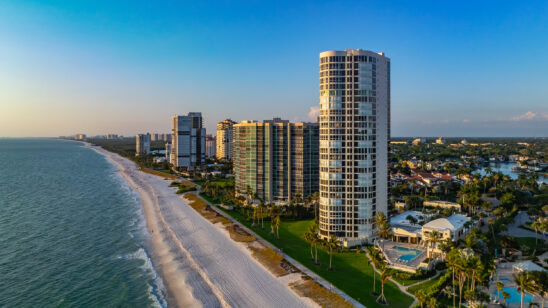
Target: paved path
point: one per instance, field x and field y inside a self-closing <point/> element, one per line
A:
<point x="401" y="287"/>
<point x="515" y="230"/>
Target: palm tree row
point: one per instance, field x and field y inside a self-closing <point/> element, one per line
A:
<point x="329" y="243"/>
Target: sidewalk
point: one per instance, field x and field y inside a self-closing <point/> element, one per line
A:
<point x="402" y="288"/>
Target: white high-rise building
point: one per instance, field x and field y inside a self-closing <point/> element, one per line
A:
<point x="354" y="138"/>
<point x="188" y="141"/>
<point x="225" y="139"/>
<point x="142" y="146"/>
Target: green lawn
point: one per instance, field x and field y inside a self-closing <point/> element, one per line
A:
<point x="424" y="285"/>
<point x="351" y="273"/>
<point x="208" y="198"/>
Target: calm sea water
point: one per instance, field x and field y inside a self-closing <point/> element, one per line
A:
<point x="72" y="232"/>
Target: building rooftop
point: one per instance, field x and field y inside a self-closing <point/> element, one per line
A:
<point x="451" y="223"/>
<point x="401" y="219"/>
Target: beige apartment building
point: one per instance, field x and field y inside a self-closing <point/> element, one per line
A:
<point x="225" y="139"/>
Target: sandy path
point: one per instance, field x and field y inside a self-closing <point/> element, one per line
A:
<point x="199" y="263"/>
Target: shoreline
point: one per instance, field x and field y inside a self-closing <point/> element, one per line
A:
<point x="198" y="261"/>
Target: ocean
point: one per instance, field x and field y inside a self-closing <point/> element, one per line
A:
<point x="72" y="232"/>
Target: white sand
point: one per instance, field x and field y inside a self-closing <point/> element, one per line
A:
<point x="199" y="263"/>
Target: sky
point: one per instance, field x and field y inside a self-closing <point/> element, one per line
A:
<point x="458" y="68"/>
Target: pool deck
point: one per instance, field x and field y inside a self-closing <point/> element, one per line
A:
<point x="505" y="272"/>
<point x="394" y="257"/>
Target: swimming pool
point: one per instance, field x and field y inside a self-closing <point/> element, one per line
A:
<point x="515" y="296"/>
<point x="406" y="254"/>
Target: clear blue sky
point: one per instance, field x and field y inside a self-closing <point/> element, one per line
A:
<point x="460" y="68"/>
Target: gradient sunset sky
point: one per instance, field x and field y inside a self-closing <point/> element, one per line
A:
<point x="459" y="68"/>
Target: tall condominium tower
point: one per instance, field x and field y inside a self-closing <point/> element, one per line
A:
<point x="142" y="145"/>
<point x="276" y="159"/>
<point x="225" y="139"/>
<point x="188" y="141"/>
<point x="354" y="138"/>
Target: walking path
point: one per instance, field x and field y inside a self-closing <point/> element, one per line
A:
<point x="515" y="230"/>
<point x="326" y="284"/>
<point x="401" y="287"/>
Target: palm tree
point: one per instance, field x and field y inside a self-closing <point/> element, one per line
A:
<point x="374" y="272"/>
<point x="380" y="219"/>
<point x="540" y="284"/>
<point x="433" y="303"/>
<point x="422" y="297"/>
<point x="261" y="209"/>
<point x="309" y="236"/>
<point x="315" y="200"/>
<point x="452" y="263"/>
<point x="249" y="192"/>
<point x="332" y="242"/>
<point x="500" y="286"/>
<point x="491" y="222"/>
<point x="536" y="226"/>
<point x="277" y="222"/>
<point x="522" y="285"/>
<point x="385" y="275"/>
<point x="433" y="238"/>
<point x="505" y="295"/>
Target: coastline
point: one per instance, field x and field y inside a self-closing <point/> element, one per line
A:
<point x="199" y="263"/>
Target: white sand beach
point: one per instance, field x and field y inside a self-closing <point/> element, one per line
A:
<point x="199" y="263"/>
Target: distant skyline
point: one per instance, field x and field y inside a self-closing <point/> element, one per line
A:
<point x="467" y="68"/>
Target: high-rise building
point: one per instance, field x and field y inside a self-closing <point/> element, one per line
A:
<point x="154" y="137"/>
<point x="142" y="145"/>
<point x="168" y="152"/>
<point x="354" y="138"/>
<point x="276" y="159"/>
<point x="188" y="141"/>
<point x="211" y="147"/>
<point x="225" y="139"/>
<point x="167" y="137"/>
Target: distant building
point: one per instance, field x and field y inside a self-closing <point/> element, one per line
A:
<point x="168" y="152"/>
<point x="418" y="141"/>
<point x="225" y="139"/>
<point x="164" y="137"/>
<point x="155" y="137"/>
<point x="276" y="159"/>
<point x="440" y="140"/>
<point x="80" y="136"/>
<point x="142" y="145"/>
<point x="112" y="137"/>
<point x="188" y="141"/>
<point x="211" y="148"/>
<point x="464" y="142"/>
<point x="443" y="204"/>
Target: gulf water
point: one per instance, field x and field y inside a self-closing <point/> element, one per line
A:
<point x="72" y="232"/>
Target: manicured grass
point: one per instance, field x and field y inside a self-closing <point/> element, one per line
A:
<point x="208" y="198"/>
<point x="424" y="285"/>
<point x="351" y="273"/>
<point x="406" y="282"/>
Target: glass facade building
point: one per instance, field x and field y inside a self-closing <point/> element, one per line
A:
<point x="276" y="159"/>
<point x="354" y="137"/>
